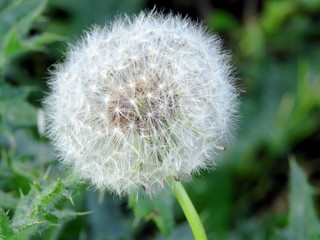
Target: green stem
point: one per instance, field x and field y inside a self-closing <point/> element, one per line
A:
<point x="189" y="211"/>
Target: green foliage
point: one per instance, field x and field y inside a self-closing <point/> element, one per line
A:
<point x="12" y="100"/>
<point x="7" y="200"/>
<point x="35" y="212"/>
<point x="276" y="52"/>
<point x="107" y="219"/>
<point x="222" y="21"/>
<point x="6" y="231"/>
<point x="275" y="13"/>
<point x="159" y="209"/>
<point x="303" y="222"/>
<point x="81" y="15"/>
<point x="16" y="20"/>
<point x="299" y="107"/>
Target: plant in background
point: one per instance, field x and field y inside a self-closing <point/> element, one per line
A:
<point x="140" y="102"/>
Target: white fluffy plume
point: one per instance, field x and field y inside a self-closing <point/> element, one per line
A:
<point x="140" y="101"/>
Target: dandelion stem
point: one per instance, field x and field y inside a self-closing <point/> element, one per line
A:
<point x="189" y="210"/>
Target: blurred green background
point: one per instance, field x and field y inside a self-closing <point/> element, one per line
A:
<point x="266" y="186"/>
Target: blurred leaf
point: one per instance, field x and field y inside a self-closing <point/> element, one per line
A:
<point x="16" y="20"/>
<point x="222" y="21"/>
<point x="3" y="4"/>
<point x="275" y="13"/>
<point x="12" y="101"/>
<point x="297" y="117"/>
<point x="83" y="14"/>
<point x="310" y="5"/>
<point x="34" y="11"/>
<point x="303" y="222"/>
<point x="250" y="229"/>
<point x="7" y="200"/>
<point x="11" y="45"/>
<point x="37" y="42"/>
<point x="253" y="41"/>
<point x="159" y="209"/>
<point x="216" y="220"/>
<point x="307" y="88"/>
<point x="181" y="231"/>
<point x="22" y="14"/>
<point x="303" y="70"/>
<point x="107" y="220"/>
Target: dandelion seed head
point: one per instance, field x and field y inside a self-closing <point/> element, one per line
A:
<point x="141" y="100"/>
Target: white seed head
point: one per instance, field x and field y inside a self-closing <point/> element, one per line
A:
<point x="140" y="101"/>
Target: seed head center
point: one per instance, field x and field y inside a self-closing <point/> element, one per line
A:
<point x="141" y="106"/>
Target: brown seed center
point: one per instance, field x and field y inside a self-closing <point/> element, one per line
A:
<point x="142" y="106"/>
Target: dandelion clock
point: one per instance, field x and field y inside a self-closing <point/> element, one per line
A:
<point x="140" y="102"/>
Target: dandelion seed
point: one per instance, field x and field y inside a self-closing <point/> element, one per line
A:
<point x="149" y="100"/>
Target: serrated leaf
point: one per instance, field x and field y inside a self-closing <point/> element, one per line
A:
<point x="6" y="232"/>
<point x="36" y="211"/>
<point x="51" y="218"/>
<point x="22" y="212"/>
<point x="51" y="195"/>
<point x="45" y="199"/>
<point x="30" y="228"/>
<point x="159" y="209"/>
<point x="303" y="222"/>
<point x="55" y="217"/>
<point x="32" y="206"/>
